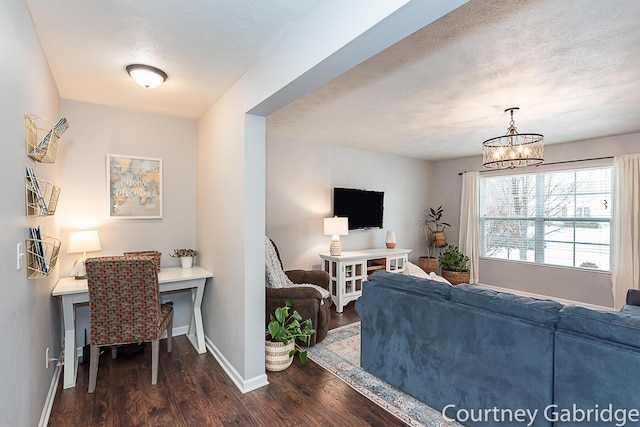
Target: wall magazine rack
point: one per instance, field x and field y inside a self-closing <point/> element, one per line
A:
<point x="41" y="197"/>
<point x="42" y="256"/>
<point x="42" y="138"/>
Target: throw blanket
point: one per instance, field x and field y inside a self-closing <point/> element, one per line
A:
<point x="275" y="277"/>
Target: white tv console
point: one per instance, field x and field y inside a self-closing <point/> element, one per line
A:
<point x="348" y="270"/>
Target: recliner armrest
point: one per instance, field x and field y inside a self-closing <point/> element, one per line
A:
<point x="315" y="277"/>
<point x="633" y="297"/>
<point x="301" y="292"/>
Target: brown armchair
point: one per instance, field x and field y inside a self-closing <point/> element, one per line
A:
<point x="306" y="300"/>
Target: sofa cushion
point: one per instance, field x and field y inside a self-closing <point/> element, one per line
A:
<point x="614" y="326"/>
<point x="411" y="284"/>
<point x="532" y="309"/>
<point x="631" y="309"/>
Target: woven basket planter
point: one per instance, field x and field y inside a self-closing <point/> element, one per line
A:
<point x="438" y="239"/>
<point x="277" y="355"/>
<point x="456" y="277"/>
<point x="428" y="264"/>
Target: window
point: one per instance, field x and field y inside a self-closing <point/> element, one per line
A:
<point x="561" y="217"/>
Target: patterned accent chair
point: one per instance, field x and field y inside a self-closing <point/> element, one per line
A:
<point x="124" y="308"/>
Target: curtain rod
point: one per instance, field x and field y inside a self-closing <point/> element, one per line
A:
<point x="552" y="163"/>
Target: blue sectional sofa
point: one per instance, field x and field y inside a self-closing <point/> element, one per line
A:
<point x="494" y="358"/>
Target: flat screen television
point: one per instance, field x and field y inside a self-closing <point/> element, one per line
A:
<point x="363" y="208"/>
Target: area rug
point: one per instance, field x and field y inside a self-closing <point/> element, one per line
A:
<point x="339" y="353"/>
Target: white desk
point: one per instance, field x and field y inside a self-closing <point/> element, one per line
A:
<point x="75" y="292"/>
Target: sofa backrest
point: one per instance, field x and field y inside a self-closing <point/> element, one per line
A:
<point x="614" y="326"/>
<point x="411" y="284"/>
<point x="521" y="307"/>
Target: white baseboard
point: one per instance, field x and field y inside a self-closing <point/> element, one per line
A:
<point x="243" y="385"/>
<point x="51" y="395"/>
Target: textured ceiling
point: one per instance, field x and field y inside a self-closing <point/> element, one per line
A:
<point x="573" y="68"/>
<point x="203" y="45"/>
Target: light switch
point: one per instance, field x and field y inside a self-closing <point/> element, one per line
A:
<point x="19" y="255"/>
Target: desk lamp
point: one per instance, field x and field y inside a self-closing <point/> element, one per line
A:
<point x="82" y="241"/>
<point x="336" y="227"/>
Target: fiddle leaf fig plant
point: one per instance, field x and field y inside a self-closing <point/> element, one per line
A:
<point x="284" y="327"/>
<point x="434" y="234"/>
<point x="434" y="216"/>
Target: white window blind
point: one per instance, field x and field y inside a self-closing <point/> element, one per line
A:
<point x="560" y="217"/>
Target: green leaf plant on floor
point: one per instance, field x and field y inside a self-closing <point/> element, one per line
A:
<point x="284" y="327"/>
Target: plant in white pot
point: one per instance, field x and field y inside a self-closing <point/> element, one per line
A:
<point x="281" y="335"/>
<point x="186" y="256"/>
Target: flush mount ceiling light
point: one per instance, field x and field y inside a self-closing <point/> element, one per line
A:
<point x="514" y="149"/>
<point x="146" y="75"/>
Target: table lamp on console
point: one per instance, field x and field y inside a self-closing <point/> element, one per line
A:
<point x="82" y="241"/>
<point x="336" y="227"/>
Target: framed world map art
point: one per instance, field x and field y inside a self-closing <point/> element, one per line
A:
<point x="134" y="186"/>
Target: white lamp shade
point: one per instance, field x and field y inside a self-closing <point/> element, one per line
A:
<point x="83" y="241"/>
<point x="336" y="226"/>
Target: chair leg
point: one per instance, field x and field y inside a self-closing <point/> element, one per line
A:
<point x="93" y="368"/>
<point x="155" y="350"/>
<point x="170" y="335"/>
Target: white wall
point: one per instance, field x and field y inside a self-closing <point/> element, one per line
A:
<point x="95" y="131"/>
<point x="30" y="322"/>
<point x="300" y="179"/>
<point x="231" y="155"/>
<point x="573" y="284"/>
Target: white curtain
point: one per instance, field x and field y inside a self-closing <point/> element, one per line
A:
<point x="626" y="227"/>
<point x="469" y="236"/>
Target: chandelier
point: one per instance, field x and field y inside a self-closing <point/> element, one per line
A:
<point x="513" y="150"/>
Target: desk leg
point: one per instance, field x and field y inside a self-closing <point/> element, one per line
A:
<point x="196" y="331"/>
<point x="70" y="357"/>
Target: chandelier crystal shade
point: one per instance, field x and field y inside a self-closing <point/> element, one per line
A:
<point x="513" y="150"/>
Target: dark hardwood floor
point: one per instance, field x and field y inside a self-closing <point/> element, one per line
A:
<point x="193" y="390"/>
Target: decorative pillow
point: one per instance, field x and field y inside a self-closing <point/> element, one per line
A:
<point x="633" y="297"/>
<point x="413" y="270"/>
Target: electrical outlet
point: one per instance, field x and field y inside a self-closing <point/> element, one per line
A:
<point x="46" y="358"/>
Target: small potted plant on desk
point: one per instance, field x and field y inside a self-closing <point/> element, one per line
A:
<point x="281" y="335"/>
<point x="186" y="256"/>
<point x="455" y="265"/>
<point x="435" y="237"/>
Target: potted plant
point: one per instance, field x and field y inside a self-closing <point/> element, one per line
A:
<point x="281" y="335"/>
<point x="186" y="256"/>
<point x="437" y="238"/>
<point x="433" y="227"/>
<point x="455" y="265"/>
